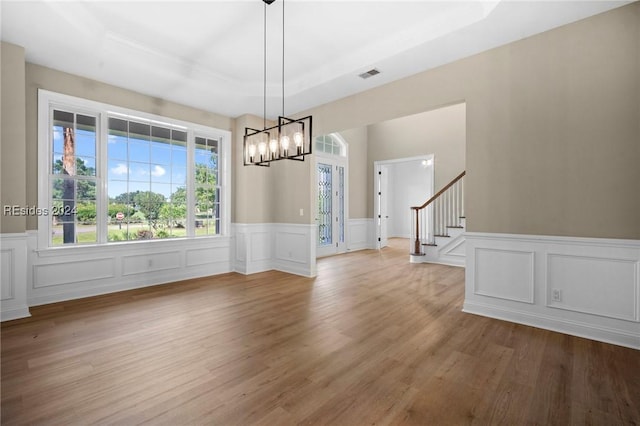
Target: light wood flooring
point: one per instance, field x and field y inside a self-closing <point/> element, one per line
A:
<point x="371" y="340"/>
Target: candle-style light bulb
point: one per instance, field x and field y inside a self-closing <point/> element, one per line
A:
<point x="284" y="143"/>
<point x="262" y="149"/>
<point x="273" y="147"/>
<point x="298" y="139"/>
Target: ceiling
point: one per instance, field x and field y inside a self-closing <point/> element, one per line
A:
<point x="209" y="54"/>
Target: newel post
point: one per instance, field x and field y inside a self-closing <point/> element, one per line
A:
<point x="416" y="248"/>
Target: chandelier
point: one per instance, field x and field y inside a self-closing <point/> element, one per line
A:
<point x="289" y="139"/>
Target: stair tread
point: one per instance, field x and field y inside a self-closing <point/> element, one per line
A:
<point x="443" y="236"/>
<point x="455" y="226"/>
<point x="430" y="244"/>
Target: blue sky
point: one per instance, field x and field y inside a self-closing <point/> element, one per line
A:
<point x="136" y="164"/>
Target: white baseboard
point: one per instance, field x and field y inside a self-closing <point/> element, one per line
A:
<point x="587" y="287"/>
<point x="553" y="323"/>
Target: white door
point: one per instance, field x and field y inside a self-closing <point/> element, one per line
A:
<point x="330" y="178"/>
<point x="383" y="205"/>
<point x="400" y="184"/>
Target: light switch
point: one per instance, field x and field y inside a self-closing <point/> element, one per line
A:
<point x="301" y="212"/>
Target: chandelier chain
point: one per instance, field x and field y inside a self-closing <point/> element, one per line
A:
<point x="283" y="58"/>
<point x="264" y="72"/>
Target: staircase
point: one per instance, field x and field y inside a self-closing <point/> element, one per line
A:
<point x="439" y="227"/>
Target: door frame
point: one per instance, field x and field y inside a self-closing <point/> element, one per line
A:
<point x="429" y="160"/>
<point x="340" y="161"/>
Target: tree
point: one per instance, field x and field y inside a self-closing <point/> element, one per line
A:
<point x="205" y="186"/>
<point x="179" y="196"/>
<point x="115" y="208"/>
<point x="85" y="189"/>
<point x="125" y="197"/>
<point x="149" y="203"/>
<point x="172" y="213"/>
<point x="86" y="212"/>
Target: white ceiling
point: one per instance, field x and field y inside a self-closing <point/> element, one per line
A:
<point x="209" y="54"/>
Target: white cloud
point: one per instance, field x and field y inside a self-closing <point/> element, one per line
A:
<point x="158" y="171"/>
<point x="120" y="169"/>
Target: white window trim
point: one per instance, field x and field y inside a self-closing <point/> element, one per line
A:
<point x="48" y="99"/>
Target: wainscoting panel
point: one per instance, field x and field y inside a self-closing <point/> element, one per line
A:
<point x="505" y="274"/>
<point x="595" y="285"/>
<point x="587" y="287"/>
<point x="260" y="246"/>
<point x="241" y="245"/>
<point x="7" y="281"/>
<point x="152" y="262"/>
<point x="295" y="249"/>
<point x="13" y="287"/>
<point x="62" y="273"/>
<point x="291" y="247"/>
<point x="204" y="256"/>
<point x="360" y="234"/>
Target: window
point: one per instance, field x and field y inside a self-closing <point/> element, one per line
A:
<point x="72" y="179"/>
<point x="115" y="175"/>
<point x="330" y="145"/>
<point x="207" y="204"/>
<point x="147" y="180"/>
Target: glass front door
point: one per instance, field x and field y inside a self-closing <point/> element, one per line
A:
<point x="331" y="207"/>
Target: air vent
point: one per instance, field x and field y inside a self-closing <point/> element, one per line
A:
<point x="369" y="73"/>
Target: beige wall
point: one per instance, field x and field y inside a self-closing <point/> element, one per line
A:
<point x="38" y="77"/>
<point x="251" y="185"/>
<point x="356" y="139"/>
<point x="440" y="132"/>
<point x="12" y="147"/>
<point x="553" y="134"/>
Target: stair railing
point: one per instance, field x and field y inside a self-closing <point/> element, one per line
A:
<point x="438" y="213"/>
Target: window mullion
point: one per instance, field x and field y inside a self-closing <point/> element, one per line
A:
<point x="102" y="202"/>
<point x="191" y="183"/>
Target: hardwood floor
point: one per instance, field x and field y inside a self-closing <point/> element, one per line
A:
<point x="371" y="340"/>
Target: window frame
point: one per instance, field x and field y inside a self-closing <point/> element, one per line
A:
<point x="48" y="101"/>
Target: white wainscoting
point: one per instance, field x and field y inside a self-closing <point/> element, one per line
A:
<point x="587" y="287"/>
<point x="361" y="234"/>
<point x="74" y="272"/>
<point x="33" y="277"/>
<point x="284" y="247"/>
<point x="13" y="276"/>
